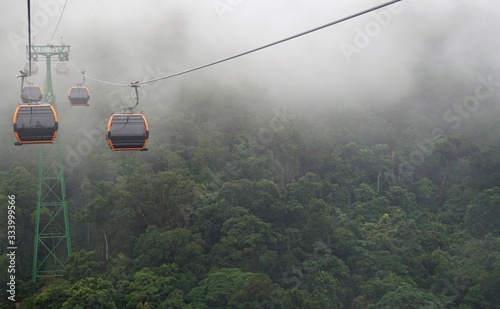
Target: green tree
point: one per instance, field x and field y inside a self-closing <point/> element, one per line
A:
<point x="259" y="290"/>
<point x="308" y="187"/>
<point x="256" y="196"/>
<point x="329" y="277"/>
<point x="458" y="197"/>
<point x="450" y="149"/>
<point x="155" y="289"/>
<point x="109" y="221"/>
<point x="82" y="264"/>
<point x="486" y="171"/>
<point x="233" y="288"/>
<point x="174" y="192"/>
<point x="402" y="198"/>
<point x="374" y="288"/>
<point x="247" y="244"/>
<point x="52" y="298"/>
<point x="409" y="297"/>
<point x="22" y="185"/>
<point x="427" y="194"/>
<point x="483" y="214"/>
<point x="219" y="288"/>
<point x="92" y="293"/>
<point x="180" y="246"/>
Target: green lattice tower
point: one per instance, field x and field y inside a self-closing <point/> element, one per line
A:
<point x="52" y="237"/>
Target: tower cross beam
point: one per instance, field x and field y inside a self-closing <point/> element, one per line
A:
<point x="40" y="52"/>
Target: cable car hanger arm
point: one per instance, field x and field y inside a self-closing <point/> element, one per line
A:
<point x="135" y="85"/>
<point x="23" y="76"/>
<point x="83" y="82"/>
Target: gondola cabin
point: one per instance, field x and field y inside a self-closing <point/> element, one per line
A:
<point x="127" y="132"/>
<point x="34" y="68"/>
<point x="35" y="124"/>
<point x="31" y="94"/>
<point x="79" y="96"/>
<point x="62" y="68"/>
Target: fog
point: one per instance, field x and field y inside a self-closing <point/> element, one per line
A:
<point x="373" y="58"/>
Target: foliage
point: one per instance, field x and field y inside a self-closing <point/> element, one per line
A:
<point x="349" y="206"/>
<point x="90" y="293"/>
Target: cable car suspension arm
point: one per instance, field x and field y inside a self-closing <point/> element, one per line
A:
<point x="23" y="75"/>
<point x="135" y="85"/>
<point x="83" y="82"/>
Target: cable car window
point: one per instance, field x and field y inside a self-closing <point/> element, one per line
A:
<point x="128" y="126"/>
<point x="35" y="124"/>
<point x="79" y="93"/>
<point x="35" y="117"/>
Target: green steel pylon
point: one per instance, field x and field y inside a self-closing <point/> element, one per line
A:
<point x="52" y="236"/>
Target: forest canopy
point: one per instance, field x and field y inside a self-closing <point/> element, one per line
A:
<point x="312" y="183"/>
<point x="319" y="215"/>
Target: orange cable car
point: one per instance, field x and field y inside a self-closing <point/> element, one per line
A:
<point x="79" y="96"/>
<point x="35" y="124"/>
<point x="127" y="132"/>
<point x="31" y="94"/>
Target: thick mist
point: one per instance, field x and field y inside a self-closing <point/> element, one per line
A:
<point x="374" y="60"/>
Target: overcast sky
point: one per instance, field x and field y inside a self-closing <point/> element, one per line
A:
<point x="373" y="56"/>
<point x="205" y="31"/>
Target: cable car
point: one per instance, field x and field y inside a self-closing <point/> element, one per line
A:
<point x="31" y="94"/>
<point x="127" y="132"/>
<point x="79" y="96"/>
<point x="62" y="68"/>
<point x="34" y="67"/>
<point x="35" y="124"/>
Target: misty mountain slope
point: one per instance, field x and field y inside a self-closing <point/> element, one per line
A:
<point x="296" y="177"/>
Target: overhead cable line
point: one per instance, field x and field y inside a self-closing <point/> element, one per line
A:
<point x="247" y="52"/>
<point x="85" y="19"/>
<point x="60" y="17"/>
<point x="29" y="36"/>
<point x="274" y="43"/>
<point x="97" y="80"/>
